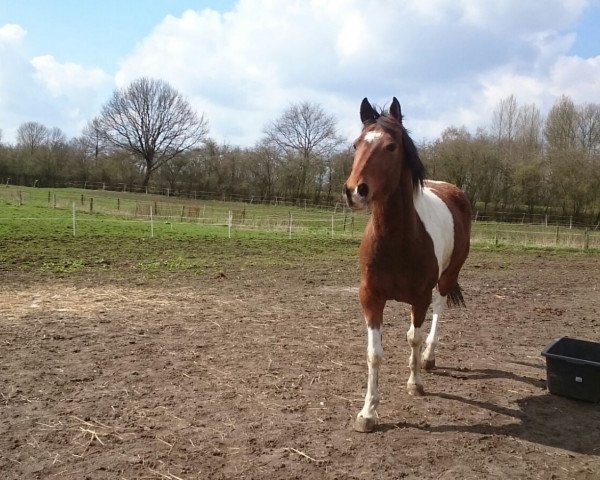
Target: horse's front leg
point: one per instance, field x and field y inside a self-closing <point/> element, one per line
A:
<point x="414" y="336"/>
<point x="373" y="312"/>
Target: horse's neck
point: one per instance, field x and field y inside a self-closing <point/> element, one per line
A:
<point x="395" y="220"/>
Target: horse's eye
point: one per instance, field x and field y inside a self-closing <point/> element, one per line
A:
<point x="354" y="146"/>
<point x="391" y="147"/>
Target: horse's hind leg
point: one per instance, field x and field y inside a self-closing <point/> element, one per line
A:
<point x="414" y="336"/>
<point x="438" y="303"/>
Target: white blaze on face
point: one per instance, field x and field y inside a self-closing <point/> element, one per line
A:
<point x="438" y="222"/>
<point x="370" y="137"/>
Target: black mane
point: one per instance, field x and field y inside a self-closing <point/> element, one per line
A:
<point x="411" y="155"/>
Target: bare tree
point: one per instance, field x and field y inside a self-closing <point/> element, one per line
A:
<point x="529" y="127"/>
<point x="92" y="140"/>
<point x="561" y="125"/>
<point x="153" y="122"/>
<point x="504" y="119"/>
<point x="304" y="131"/>
<point x="56" y="138"/>
<point x="588" y="127"/>
<point x="31" y="136"/>
<point x="569" y="177"/>
<point x="262" y="169"/>
<point x="339" y="166"/>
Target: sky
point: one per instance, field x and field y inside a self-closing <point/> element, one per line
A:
<point x="241" y="63"/>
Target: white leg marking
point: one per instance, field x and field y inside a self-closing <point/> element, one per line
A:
<point x="414" y="336"/>
<point x="368" y="414"/>
<point x="438" y="303"/>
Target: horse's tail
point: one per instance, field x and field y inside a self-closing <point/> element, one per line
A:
<point x="455" y="297"/>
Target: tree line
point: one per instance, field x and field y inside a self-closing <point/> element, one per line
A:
<point x="147" y="134"/>
<point x="526" y="162"/>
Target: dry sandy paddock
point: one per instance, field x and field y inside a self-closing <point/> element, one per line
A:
<point x="259" y="373"/>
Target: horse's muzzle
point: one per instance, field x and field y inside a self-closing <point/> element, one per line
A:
<point x="357" y="197"/>
<point x="348" y="195"/>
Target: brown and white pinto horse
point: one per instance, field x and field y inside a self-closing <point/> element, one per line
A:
<point x="414" y="245"/>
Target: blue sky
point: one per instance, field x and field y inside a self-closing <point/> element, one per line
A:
<point x="93" y="32"/>
<point x="242" y="62"/>
<point x="587" y="28"/>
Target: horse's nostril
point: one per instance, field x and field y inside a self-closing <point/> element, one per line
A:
<point x="362" y="190"/>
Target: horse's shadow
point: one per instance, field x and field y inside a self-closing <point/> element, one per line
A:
<point x="487" y="373"/>
<point x="544" y="419"/>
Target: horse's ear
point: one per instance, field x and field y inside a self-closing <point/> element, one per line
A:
<point x="395" y="110"/>
<point x="367" y="113"/>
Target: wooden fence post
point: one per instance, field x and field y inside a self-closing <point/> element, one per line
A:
<point x="73" y="218"/>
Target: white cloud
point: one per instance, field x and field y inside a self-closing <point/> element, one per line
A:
<point x="78" y="92"/>
<point x="577" y="77"/>
<point x="68" y="79"/>
<point x="41" y="89"/>
<point x="11" y="34"/>
<point x="516" y="16"/>
<point x="567" y="75"/>
<point x="447" y="62"/>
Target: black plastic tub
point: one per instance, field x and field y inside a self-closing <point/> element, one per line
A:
<point x="573" y="368"/>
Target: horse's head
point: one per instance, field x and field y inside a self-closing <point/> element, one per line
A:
<point x="384" y="153"/>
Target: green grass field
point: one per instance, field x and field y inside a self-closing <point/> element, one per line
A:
<point x="115" y="230"/>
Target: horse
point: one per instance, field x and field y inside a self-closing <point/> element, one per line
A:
<point x="414" y="245"/>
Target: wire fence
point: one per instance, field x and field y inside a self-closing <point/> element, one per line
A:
<point x="183" y="193"/>
<point x="521" y="215"/>
<point x="157" y="211"/>
<point x="74" y="212"/>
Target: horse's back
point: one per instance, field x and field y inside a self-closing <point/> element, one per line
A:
<point x="446" y="213"/>
<point x="456" y="201"/>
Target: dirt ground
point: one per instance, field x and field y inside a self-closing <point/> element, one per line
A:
<point x="260" y="373"/>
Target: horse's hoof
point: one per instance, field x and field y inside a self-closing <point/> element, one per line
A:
<point x="415" y="390"/>
<point x="429" y="365"/>
<point x="365" y="425"/>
